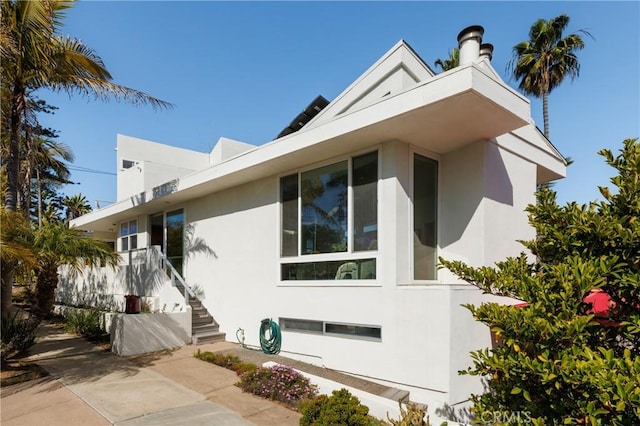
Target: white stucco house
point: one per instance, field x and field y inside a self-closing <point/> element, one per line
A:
<point x="334" y="228"/>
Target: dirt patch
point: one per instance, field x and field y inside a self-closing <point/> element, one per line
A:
<point x="15" y="372"/>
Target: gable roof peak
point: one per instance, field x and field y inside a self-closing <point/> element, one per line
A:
<point x="399" y="69"/>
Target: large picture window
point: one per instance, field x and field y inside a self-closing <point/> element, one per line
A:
<point x="316" y="216"/>
<point x="425" y="196"/>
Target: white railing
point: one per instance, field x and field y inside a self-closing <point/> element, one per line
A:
<point x="174" y="276"/>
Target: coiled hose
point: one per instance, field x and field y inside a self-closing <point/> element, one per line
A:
<point x="269" y="344"/>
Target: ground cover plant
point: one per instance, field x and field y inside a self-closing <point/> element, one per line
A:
<point x="278" y="383"/>
<point x="17" y="335"/>
<point x="85" y="322"/>
<point x="228" y="361"/>
<point x="560" y="362"/>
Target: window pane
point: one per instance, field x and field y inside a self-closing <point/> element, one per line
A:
<point x="124" y="229"/>
<point x="354" y="330"/>
<point x="425" y="184"/>
<point x="361" y="269"/>
<point x="157" y="230"/>
<point x="324" y="209"/>
<point x="289" y="225"/>
<point x="133" y="227"/>
<point x="175" y="239"/>
<point x="365" y="202"/>
<point x="125" y="243"/>
<point x="133" y="242"/>
<point x="309" y="326"/>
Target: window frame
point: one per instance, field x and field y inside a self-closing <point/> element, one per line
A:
<point x="282" y="323"/>
<point x="122" y="237"/>
<point x="413" y="150"/>
<point x="335" y="256"/>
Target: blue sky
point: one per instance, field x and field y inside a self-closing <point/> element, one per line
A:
<point x="243" y="70"/>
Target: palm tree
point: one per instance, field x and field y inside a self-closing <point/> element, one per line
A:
<point x="50" y="168"/>
<point x="56" y="245"/>
<point x="450" y="63"/>
<point x="76" y="205"/>
<point x="34" y="56"/>
<point x="542" y="62"/>
<point x="15" y="253"/>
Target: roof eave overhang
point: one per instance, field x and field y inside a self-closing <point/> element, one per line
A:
<point x="442" y="115"/>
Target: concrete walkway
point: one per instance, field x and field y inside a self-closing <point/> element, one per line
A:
<point x="89" y="386"/>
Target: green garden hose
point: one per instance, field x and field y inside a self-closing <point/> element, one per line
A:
<point x="270" y="344"/>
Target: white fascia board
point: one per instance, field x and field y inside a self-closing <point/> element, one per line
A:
<point x="485" y="64"/>
<point x="529" y="143"/>
<point x="113" y="210"/>
<point x="368" y="126"/>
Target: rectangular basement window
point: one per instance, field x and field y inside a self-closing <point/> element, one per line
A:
<point x="353" y="331"/>
<point x="303" y="326"/>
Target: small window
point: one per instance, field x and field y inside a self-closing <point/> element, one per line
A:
<point x="129" y="235"/>
<point x="304" y="326"/>
<point x="355" y="331"/>
<point x="127" y="164"/>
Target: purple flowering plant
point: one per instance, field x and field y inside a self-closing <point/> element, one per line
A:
<point x="278" y="383"/>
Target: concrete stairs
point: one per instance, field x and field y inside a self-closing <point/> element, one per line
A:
<point x="204" y="328"/>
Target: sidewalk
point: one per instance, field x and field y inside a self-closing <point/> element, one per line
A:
<point x="89" y="386"/>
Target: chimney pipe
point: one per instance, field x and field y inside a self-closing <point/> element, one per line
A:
<point x="486" y="51"/>
<point x="469" y="41"/>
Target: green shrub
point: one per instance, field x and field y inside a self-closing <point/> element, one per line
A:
<point x="278" y="383"/>
<point x="17" y="335"/>
<point x="341" y="408"/>
<point x="245" y="367"/>
<point x="228" y="361"/>
<point x="85" y="323"/>
<point x="311" y="409"/>
<point x="559" y="362"/>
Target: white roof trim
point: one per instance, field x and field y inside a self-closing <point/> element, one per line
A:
<point x="353" y="130"/>
<point x="400" y="58"/>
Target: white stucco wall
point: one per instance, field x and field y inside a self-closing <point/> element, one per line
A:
<point x="426" y="334"/>
<point x="155" y="164"/>
<point x="106" y="287"/>
<point x="144" y="333"/>
<point x="227" y="148"/>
